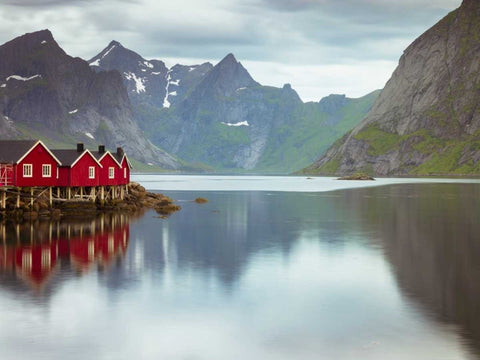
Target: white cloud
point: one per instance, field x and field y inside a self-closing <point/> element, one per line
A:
<point x="294" y="37"/>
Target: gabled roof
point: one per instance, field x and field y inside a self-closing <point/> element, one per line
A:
<point x="100" y="155"/>
<point x="69" y="157"/>
<point x="120" y="158"/>
<point x="14" y="151"/>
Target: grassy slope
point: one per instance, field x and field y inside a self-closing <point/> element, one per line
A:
<point x="302" y="144"/>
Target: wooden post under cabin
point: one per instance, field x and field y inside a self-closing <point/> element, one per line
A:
<point x="69" y="193"/>
<point x="31" y="198"/>
<point x="18" y="198"/>
<point x="4" y="199"/>
<point x="58" y="192"/>
<point x="81" y="192"/>
<point x="50" y="195"/>
<point x="93" y="194"/>
<point x="102" y="193"/>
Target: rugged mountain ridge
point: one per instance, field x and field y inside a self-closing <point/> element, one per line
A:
<point x="221" y="117"/>
<point x="149" y="82"/>
<point x="48" y="94"/>
<point x="427" y="118"/>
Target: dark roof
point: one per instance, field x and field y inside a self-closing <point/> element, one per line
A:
<point x="68" y="156"/>
<point x="13" y="150"/>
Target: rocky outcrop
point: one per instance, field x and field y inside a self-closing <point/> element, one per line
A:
<point x="427" y="118"/>
<point x="45" y="91"/>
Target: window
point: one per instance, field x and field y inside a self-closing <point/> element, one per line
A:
<point x="46" y="170"/>
<point x="111" y="172"/>
<point x="91" y="172"/>
<point x="125" y="173"/>
<point x="27" y="170"/>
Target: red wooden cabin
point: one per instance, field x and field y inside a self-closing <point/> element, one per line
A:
<point x="79" y="167"/>
<point x="27" y="163"/>
<point x="125" y="166"/>
<point x="110" y="174"/>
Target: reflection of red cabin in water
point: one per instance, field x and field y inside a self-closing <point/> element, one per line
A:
<point x="101" y="248"/>
<point x="35" y="263"/>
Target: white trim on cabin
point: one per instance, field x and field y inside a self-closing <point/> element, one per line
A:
<point x="46" y="170"/>
<point x="27" y="170"/>
<point x="113" y="157"/>
<point x="33" y="147"/>
<point x="89" y="153"/>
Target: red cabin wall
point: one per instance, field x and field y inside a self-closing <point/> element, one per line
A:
<point x="125" y="180"/>
<point x="63" y="176"/>
<point x="107" y="162"/>
<point x="37" y="157"/>
<point x="79" y="172"/>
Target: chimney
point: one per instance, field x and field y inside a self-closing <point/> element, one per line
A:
<point x="80" y="147"/>
<point x="120" y="151"/>
<point x="101" y="149"/>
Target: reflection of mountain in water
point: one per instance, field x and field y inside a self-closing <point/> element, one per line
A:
<point x="34" y="251"/>
<point x="430" y="234"/>
<point x="224" y="236"/>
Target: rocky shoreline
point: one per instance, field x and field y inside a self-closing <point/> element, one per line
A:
<point x="136" y="200"/>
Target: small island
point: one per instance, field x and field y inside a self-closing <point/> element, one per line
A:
<point x="357" y="176"/>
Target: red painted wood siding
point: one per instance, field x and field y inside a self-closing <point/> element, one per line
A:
<point x="37" y="157"/>
<point x="125" y="170"/>
<point x="108" y="162"/>
<point x="79" y="172"/>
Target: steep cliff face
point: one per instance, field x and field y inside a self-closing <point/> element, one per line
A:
<point x="427" y="118"/>
<point x="44" y="92"/>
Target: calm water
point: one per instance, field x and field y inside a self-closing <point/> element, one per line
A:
<point x="388" y="272"/>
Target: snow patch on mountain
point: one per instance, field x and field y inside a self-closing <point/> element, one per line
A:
<point x="241" y="123"/>
<point x="90" y="135"/>
<point x="95" y="63"/>
<point x="166" y="103"/>
<point x="43" y="42"/>
<point x="21" y="78"/>
<point x="176" y="82"/>
<point x="139" y="82"/>
<point x="73" y="111"/>
<point x="148" y="64"/>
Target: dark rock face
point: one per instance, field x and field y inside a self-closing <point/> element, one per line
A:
<point x="427" y="119"/>
<point x="45" y="90"/>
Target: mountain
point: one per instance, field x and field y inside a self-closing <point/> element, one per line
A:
<point x="221" y="117"/>
<point x="149" y="82"/>
<point x="49" y="95"/>
<point x="427" y="118"/>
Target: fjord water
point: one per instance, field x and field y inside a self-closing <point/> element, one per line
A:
<point x="379" y="272"/>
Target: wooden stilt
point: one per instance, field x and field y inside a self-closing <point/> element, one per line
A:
<point x="31" y="198"/>
<point x="122" y="193"/>
<point x="93" y="197"/>
<point x="81" y="192"/>
<point x="69" y="193"/>
<point x="4" y="199"/>
<point x="50" y="195"/>
<point x="18" y="199"/>
<point x="58" y="192"/>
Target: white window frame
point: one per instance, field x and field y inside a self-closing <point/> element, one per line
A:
<point x="111" y="172"/>
<point x="46" y="170"/>
<point x="91" y="172"/>
<point x="27" y="170"/>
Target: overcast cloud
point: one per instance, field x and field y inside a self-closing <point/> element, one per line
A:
<point x="319" y="46"/>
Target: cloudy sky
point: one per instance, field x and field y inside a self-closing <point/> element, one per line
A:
<point x="319" y="46"/>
